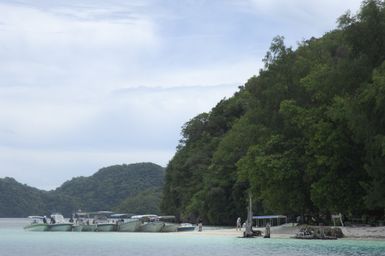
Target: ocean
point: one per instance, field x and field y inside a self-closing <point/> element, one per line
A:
<point x="14" y="241"/>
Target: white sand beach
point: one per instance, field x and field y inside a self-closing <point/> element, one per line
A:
<point x="288" y="231"/>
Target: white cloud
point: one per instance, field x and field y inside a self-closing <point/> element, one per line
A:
<point x="89" y="83"/>
<point x="44" y="47"/>
<point x="39" y="28"/>
<point x="298" y="19"/>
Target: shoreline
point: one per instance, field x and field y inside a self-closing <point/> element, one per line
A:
<point x="289" y="231"/>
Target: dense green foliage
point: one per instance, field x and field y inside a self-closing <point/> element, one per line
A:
<point x="146" y="202"/>
<point x="131" y="188"/>
<point x="306" y="136"/>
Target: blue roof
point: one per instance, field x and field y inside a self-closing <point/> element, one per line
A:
<point x="269" y="217"/>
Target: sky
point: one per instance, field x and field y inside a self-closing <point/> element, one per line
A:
<point x="86" y="84"/>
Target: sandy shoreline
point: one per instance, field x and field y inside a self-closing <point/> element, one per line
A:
<point x="289" y="231"/>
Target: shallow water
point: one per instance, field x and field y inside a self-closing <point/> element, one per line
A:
<point x="15" y="241"/>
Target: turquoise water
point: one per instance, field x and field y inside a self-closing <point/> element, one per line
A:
<point x="15" y="241"/>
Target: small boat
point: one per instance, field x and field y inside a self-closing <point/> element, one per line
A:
<point x="170" y="227"/>
<point x="77" y="227"/>
<point x="155" y="226"/>
<point x="169" y="224"/>
<point x="130" y="225"/>
<point x="149" y="223"/>
<point x="185" y="227"/>
<point x="105" y="227"/>
<point x="58" y="223"/>
<point x="82" y="222"/>
<point x="38" y="223"/>
<point x="89" y="227"/>
<point x="125" y="224"/>
<point x="102" y="222"/>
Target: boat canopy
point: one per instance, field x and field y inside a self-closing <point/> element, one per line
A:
<point x="101" y="213"/>
<point x="81" y="214"/>
<point x="268" y="217"/>
<point x="104" y="212"/>
<point x="36" y="217"/>
<point x="145" y="216"/>
<point x="121" y="215"/>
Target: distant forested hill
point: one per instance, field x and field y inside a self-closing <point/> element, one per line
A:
<point x="118" y="187"/>
<point x="306" y="136"/>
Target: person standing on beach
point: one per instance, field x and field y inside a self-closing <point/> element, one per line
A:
<point x="239" y="226"/>
<point x="267" y="231"/>
<point x="200" y="225"/>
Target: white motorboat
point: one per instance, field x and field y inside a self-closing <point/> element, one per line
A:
<point x="58" y="223"/>
<point x="83" y="222"/>
<point x="77" y="227"/>
<point x="170" y="227"/>
<point x="155" y="226"/>
<point x="105" y="227"/>
<point x="102" y="222"/>
<point x="38" y="223"/>
<point x="186" y="227"/>
<point x="169" y="224"/>
<point x="125" y="224"/>
<point x="89" y="227"/>
<point x="150" y="223"/>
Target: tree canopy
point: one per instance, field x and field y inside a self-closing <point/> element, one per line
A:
<point x="134" y="188"/>
<point x="305" y="136"/>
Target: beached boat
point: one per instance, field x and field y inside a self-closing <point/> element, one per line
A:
<point x="38" y="223"/>
<point x="170" y="227"/>
<point x="89" y="227"/>
<point x="129" y="225"/>
<point x="58" y="223"/>
<point x="102" y="222"/>
<point x="149" y="223"/>
<point x="105" y="227"/>
<point x="186" y="227"/>
<point x="77" y="227"/>
<point x="126" y="224"/>
<point x="169" y="224"/>
<point x="155" y="226"/>
<point x="83" y="222"/>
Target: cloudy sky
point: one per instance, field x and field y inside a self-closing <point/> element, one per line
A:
<point x="89" y="83"/>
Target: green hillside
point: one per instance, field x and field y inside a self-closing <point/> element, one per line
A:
<point x="306" y="136"/>
<point x="110" y="188"/>
<point x="16" y="198"/>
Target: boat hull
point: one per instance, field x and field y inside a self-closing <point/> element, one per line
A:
<point x="105" y="227"/>
<point x="77" y="228"/>
<point x="89" y="228"/>
<point x="186" y="227"/>
<point x="60" y="227"/>
<point x="170" y="227"/>
<point x="36" y="227"/>
<point x="151" y="226"/>
<point x="130" y="226"/>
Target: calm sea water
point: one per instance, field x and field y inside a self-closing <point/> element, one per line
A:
<point x="15" y="241"/>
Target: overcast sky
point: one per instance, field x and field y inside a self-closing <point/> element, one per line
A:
<point x="86" y="84"/>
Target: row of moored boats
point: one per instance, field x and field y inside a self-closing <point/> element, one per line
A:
<point x="104" y="221"/>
